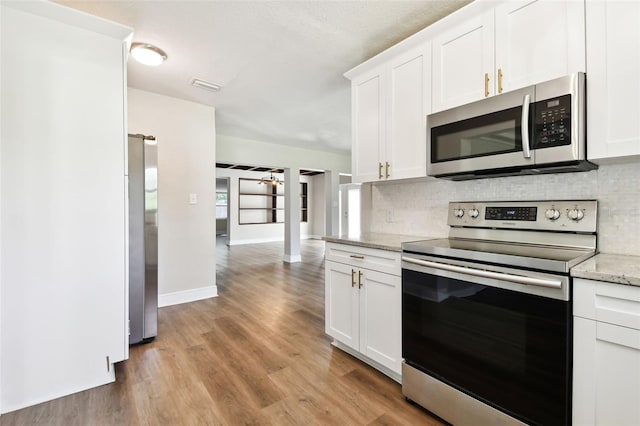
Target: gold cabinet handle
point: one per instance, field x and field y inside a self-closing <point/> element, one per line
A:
<point x="356" y="256"/>
<point x="379" y="170"/>
<point x="360" y="274"/>
<point x="499" y="80"/>
<point x="353" y="278"/>
<point x="486" y="84"/>
<point x="388" y="166"/>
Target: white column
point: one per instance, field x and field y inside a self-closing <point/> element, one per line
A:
<point x="292" y="216"/>
<point x="331" y="182"/>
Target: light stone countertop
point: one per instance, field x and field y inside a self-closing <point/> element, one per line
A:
<point x="375" y="240"/>
<point x="613" y="268"/>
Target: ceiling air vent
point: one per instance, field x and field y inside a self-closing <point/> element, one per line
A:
<point x="205" y="85"/>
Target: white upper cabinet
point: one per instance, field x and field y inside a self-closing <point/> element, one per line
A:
<point x="613" y="83"/>
<point x="517" y="44"/>
<point x="408" y="105"/>
<point x="389" y="106"/>
<point x="368" y="121"/>
<point x="463" y="66"/>
<point x="538" y="40"/>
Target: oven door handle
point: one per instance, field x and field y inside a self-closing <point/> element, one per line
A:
<point x="519" y="279"/>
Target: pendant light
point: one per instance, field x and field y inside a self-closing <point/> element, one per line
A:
<point x="271" y="180"/>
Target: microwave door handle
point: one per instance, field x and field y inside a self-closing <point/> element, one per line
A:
<point x="524" y="126"/>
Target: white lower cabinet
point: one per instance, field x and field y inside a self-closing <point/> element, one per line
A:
<point x="606" y="354"/>
<point x="362" y="310"/>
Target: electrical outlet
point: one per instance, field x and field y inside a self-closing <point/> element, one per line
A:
<point x="193" y="198"/>
<point x="389" y="216"/>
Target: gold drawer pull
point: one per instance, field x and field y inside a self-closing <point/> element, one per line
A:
<point x="360" y="274"/>
<point x="387" y="169"/>
<point x="356" y="256"/>
<point x="379" y="170"/>
<point x="353" y="278"/>
<point x="486" y="84"/>
<point x="499" y="80"/>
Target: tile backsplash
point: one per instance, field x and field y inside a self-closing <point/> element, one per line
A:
<point x="419" y="207"/>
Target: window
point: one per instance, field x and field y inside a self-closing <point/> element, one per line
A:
<point x="221" y="205"/>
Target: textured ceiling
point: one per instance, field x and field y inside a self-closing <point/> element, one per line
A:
<point x="281" y="63"/>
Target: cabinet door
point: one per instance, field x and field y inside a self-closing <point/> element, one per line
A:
<point x="613" y="86"/>
<point x="409" y="93"/>
<point x="368" y="124"/>
<point x="538" y="40"/>
<point x="380" y="327"/>
<point x="341" y="303"/>
<point x="461" y="58"/>
<point x="63" y="214"/>
<point x="606" y="374"/>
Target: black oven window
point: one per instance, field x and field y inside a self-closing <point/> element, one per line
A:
<point x="506" y="348"/>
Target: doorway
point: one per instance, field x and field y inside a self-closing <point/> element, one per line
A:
<point x="222" y="208"/>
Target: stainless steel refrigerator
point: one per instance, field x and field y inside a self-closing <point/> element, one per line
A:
<point x="143" y="238"/>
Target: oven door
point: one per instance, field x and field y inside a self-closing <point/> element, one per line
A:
<point x="489" y="134"/>
<point x="500" y="335"/>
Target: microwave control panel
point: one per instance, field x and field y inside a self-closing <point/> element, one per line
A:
<point x="552" y="122"/>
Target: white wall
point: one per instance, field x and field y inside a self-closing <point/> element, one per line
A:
<point x="419" y="207"/>
<point x="62" y="203"/>
<point x="260" y="233"/>
<point x="186" y="156"/>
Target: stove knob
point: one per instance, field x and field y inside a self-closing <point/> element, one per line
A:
<point x="575" y="214"/>
<point x="474" y="213"/>
<point x="552" y="214"/>
<point x="458" y="212"/>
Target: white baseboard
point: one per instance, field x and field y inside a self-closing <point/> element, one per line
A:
<point x="292" y="258"/>
<point x="186" y="296"/>
<point x="269" y="240"/>
<point x="254" y="241"/>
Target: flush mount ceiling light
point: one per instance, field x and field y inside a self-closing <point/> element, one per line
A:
<point x="271" y="180"/>
<point x="205" y="84"/>
<point x="148" y="54"/>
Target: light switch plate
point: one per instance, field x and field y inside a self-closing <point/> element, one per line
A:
<point x="193" y="198"/>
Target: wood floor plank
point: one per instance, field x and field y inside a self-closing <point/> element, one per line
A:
<point x="255" y="355"/>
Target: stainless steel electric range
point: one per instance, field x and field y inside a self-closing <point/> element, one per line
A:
<point x="487" y="313"/>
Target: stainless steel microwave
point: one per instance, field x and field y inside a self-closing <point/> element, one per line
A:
<point x="537" y="129"/>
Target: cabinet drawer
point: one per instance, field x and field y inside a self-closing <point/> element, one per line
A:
<point x="606" y="302"/>
<point x="363" y="257"/>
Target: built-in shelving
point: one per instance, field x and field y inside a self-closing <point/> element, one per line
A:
<point x="262" y="204"/>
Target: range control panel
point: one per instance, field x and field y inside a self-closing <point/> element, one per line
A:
<point x="564" y="215"/>
<point x="511" y="213"/>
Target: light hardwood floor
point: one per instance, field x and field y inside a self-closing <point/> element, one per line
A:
<point x="257" y="354"/>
